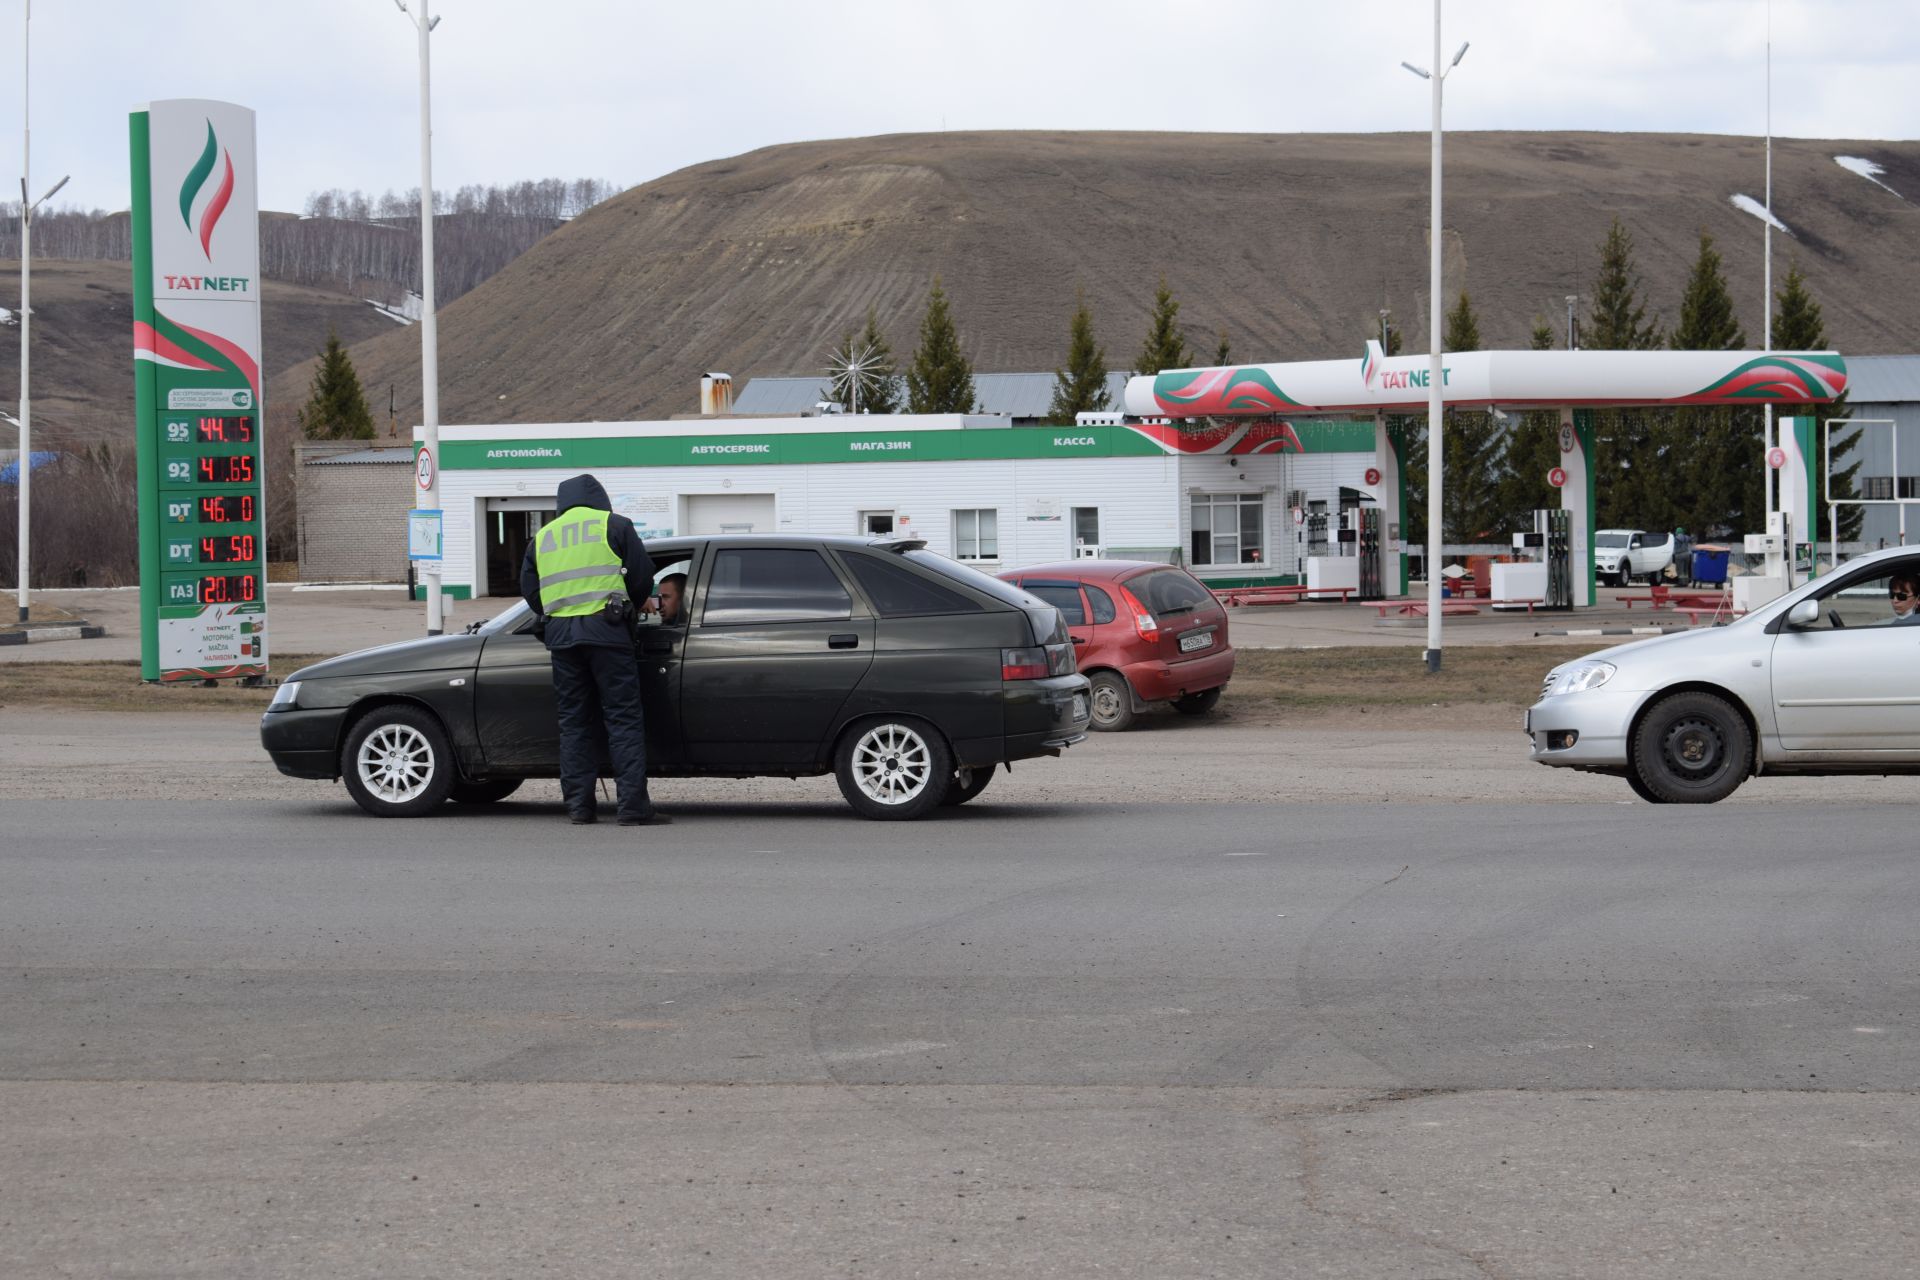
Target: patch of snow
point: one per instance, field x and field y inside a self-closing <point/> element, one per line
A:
<point x="1747" y="204"/>
<point x="1868" y="170"/>
<point x="406" y="313"/>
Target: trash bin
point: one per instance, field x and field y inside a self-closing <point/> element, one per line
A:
<point x="1710" y="566"/>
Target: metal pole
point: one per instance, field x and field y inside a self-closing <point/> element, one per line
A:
<point x="1771" y="481"/>
<point x="1571" y="299"/>
<point x="25" y="489"/>
<point x="1433" y="377"/>
<point x="429" y="497"/>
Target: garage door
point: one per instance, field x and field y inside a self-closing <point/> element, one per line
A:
<point x="730" y="513"/>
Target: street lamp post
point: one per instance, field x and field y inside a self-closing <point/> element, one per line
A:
<point x="1437" y="77"/>
<point x="1573" y="341"/>
<point x="429" y="496"/>
<point x="25" y="421"/>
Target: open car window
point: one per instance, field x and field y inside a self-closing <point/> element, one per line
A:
<point x="683" y="568"/>
<point x="1859" y="602"/>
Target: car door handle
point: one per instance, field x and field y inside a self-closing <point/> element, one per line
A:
<point x="1079" y="639"/>
<point x="845" y="640"/>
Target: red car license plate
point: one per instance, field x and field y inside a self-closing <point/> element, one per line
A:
<point x="1195" y="640"/>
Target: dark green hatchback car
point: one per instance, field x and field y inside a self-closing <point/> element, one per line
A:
<point x="907" y="675"/>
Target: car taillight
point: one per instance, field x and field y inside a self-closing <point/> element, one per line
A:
<point x="1142" y="619"/>
<point x="1024" y="664"/>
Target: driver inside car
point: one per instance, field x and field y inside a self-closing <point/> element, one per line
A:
<point x="1903" y="593"/>
<point x="672" y="594"/>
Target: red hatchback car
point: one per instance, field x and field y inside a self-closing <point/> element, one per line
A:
<point x="1142" y="632"/>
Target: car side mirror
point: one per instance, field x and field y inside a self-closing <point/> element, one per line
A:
<point x="1804" y="614"/>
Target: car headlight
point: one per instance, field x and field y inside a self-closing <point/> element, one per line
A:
<point x="1578" y="678"/>
<point x="283" y="697"/>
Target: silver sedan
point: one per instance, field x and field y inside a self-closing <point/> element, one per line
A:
<point x="1825" y="679"/>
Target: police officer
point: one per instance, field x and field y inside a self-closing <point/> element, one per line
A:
<point x="582" y="573"/>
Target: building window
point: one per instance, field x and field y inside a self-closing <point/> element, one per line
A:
<point x="1876" y="488"/>
<point x="1229" y="528"/>
<point x="976" y="534"/>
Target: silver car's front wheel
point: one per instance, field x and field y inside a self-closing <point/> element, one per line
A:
<point x="893" y="768"/>
<point x="397" y="762"/>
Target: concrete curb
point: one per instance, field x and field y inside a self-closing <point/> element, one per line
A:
<point x="35" y="635"/>
<point x="1617" y="631"/>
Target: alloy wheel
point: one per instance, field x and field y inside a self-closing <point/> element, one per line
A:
<point x="891" y="764"/>
<point x="395" y="763"/>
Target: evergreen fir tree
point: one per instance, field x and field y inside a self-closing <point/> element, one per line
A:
<point x="336" y="409"/>
<point x="1389" y="334"/>
<point x="1472" y="448"/>
<point x="1798" y="326"/>
<point x="940" y="380"/>
<point x="1705" y="463"/>
<point x="1463" y="327"/>
<point x="1618" y="322"/>
<point x="1081" y="387"/>
<point x="1166" y="344"/>
<point x="1223" y="354"/>
<point x="1533" y="449"/>
<point x="880" y="388"/>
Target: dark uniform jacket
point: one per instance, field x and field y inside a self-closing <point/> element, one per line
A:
<point x="624" y="539"/>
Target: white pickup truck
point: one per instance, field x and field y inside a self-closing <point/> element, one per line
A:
<point x="1621" y="556"/>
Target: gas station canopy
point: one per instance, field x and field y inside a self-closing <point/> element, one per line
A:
<point x="1376" y="383"/>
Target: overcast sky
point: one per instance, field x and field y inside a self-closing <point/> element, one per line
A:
<point x="628" y="90"/>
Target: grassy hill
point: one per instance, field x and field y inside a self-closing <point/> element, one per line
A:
<point x="1291" y="243"/>
<point x="83" y="344"/>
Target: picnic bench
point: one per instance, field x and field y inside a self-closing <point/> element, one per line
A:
<point x="1418" y="608"/>
<point x="1236" y="597"/>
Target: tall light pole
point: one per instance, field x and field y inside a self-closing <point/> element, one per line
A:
<point x="1434" y="374"/>
<point x="428" y="496"/>
<point x="1572" y="338"/>
<point x="25" y="421"/>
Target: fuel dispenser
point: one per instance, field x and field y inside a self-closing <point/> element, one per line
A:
<point x="1368" y="544"/>
<point x="1550" y="545"/>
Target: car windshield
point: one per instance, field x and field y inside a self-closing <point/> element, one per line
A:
<point x="505" y="620"/>
<point x="1610" y="539"/>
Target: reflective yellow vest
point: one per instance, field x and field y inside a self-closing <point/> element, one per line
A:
<point x="578" y="570"/>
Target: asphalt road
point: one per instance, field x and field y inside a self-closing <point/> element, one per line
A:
<point x="268" y="1036"/>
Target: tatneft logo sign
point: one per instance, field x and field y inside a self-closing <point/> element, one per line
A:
<point x="1381" y="379"/>
<point x="202" y="207"/>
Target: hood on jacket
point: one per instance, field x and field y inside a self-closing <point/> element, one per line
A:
<point x="581" y="491"/>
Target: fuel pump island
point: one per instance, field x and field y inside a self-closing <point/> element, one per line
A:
<point x="1571" y="383"/>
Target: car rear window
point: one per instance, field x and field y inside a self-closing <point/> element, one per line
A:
<point x="1169" y="591"/>
<point x="985" y="583"/>
<point x="774" y="584"/>
<point x="1065" y="599"/>
<point x="899" y="592"/>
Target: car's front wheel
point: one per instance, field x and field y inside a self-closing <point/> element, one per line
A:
<point x="967" y="783"/>
<point x="397" y="762"/>
<point x="1691" y="748"/>
<point x="1112" y="702"/>
<point x="893" y="768"/>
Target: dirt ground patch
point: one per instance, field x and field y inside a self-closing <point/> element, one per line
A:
<point x="116" y="686"/>
<point x="1474" y="685"/>
<point x="1489" y="684"/>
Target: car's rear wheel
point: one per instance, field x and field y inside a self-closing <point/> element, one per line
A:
<point x="966" y="784"/>
<point x="1692" y="748"/>
<point x="491" y="791"/>
<point x="1197" y="704"/>
<point x="893" y="768"/>
<point x="397" y="762"/>
<point x="1112" y="702"/>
